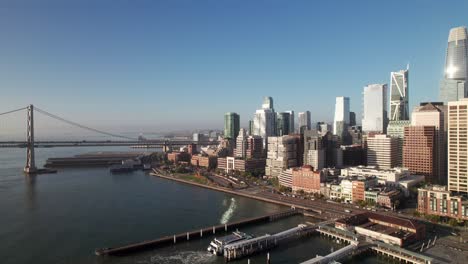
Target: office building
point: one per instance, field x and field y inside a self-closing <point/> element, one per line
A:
<point x="434" y="114"/>
<point x="396" y="129"/>
<point x="375" y="117"/>
<point x="281" y="155"/>
<point x="453" y="86"/>
<point x="251" y="127"/>
<point x="307" y="179"/>
<point x="341" y="120"/>
<point x="231" y="125"/>
<point x="304" y="121"/>
<point x="353" y="155"/>
<point x="457" y="146"/>
<point x="322" y="150"/>
<point x="283" y="123"/>
<point x="352" y="118"/>
<point x="382" y="151"/>
<point x="268" y="103"/>
<point x="264" y="121"/>
<point x="419" y="148"/>
<point x="241" y="145"/>
<point x="292" y="128"/>
<point x="355" y="135"/>
<point x="399" y="108"/>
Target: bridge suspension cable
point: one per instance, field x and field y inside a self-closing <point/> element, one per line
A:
<point x="81" y="126"/>
<point x="12" y="111"/>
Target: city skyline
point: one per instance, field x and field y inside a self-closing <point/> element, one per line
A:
<point x="64" y="77"/>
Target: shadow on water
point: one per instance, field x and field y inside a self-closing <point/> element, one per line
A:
<point x="30" y="182"/>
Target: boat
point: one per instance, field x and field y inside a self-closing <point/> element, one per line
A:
<point x="217" y="245"/>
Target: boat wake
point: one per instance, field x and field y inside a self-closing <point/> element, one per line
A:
<point x="184" y="257"/>
<point x="229" y="212"/>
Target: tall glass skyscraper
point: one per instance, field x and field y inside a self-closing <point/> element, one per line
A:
<point x="341" y="120"/>
<point x="283" y="124"/>
<point x="231" y="125"/>
<point x="375" y="117"/>
<point x="304" y="121"/>
<point x="399" y="109"/>
<point x="454" y="85"/>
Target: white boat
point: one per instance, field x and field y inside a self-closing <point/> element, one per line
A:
<point x="217" y="245"/>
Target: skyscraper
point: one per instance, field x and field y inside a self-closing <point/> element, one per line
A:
<point x="434" y="114"/>
<point x="241" y="144"/>
<point x="268" y="103"/>
<point x="352" y="119"/>
<point x="419" y="149"/>
<point x="292" y="128"/>
<point x="265" y="120"/>
<point x="341" y="120"/>
<point x="375" y="117"/>
<point x="231" y="125"/>
<point x="457" y="146"/>
<point x="283" y="124"/>
<point x="399" y="96"/>
<point x="454" y="85"/>
<point x="304" y="121"/>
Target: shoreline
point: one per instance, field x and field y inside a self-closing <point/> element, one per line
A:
<point x="225" y="190"/>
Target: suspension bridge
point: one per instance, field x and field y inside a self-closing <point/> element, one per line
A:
<point x="30" y="144"/>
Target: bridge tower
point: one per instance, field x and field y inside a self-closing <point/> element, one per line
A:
<point x="30" y="167"/>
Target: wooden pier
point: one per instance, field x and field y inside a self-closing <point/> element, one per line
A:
<point x="194" y="234"/>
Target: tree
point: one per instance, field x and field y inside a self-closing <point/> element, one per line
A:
<point x="453" y="222"/>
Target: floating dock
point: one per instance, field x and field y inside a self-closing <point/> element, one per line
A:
<point x="195" y="234"/>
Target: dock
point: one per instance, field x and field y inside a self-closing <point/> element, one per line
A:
<point x="358" y="244"/>
<point x="255" y="245"/>
<point x="194" y="234"/>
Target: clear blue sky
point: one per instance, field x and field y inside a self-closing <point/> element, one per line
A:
<point x="164" y="65"/>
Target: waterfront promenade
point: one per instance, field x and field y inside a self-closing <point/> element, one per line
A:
<point x="317" y="208"/>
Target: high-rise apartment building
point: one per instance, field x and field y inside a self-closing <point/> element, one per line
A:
<point x="283" y="124"/>
<point x="341" y="120"/>
<point x="457" y="146"/>
<point x="419" y="148"/>
<point x="382" y="151"/>
<point x="292" y="128"/>
<point x="434" y="114"/>
<point x="231" y="125"/>
<point x="454" y="85"/>
<point x="399" y="108"/>
<point x="375" y="118"/>
<point x="304" y="121"/>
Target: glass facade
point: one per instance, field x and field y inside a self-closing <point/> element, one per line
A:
<point x="453" y="87"/>
<point x="399" y="96"/>
<point x="283" y="124"/>
<point x="231" y="125"/>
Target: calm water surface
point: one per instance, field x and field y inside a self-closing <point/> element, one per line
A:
<point x="63" y="217"/>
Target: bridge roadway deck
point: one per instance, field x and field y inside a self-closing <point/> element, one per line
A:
<point x="104" y="143"/>
<point x="186" y="236"/>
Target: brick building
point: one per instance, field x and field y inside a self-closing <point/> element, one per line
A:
<point x="307" y="179"/>
<point x="419" y="148"/>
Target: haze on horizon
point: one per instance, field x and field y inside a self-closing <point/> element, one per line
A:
<point x="180" y="65"/>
